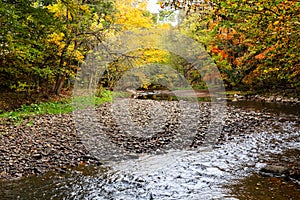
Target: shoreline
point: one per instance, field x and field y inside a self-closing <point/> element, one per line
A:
<point x="267" y="99"/>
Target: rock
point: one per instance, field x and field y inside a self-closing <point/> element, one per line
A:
<point x="270" y="99"/>
<point x="295" y="174"/>
<point x="234" y="100"/>
<point x="278" y="99"/>
<point x="19" y="175"/>
<point x="53" y="141"/>
<point x="238" y="97"/>
<point x="37" y="156"/>
<point x="274" y="170"/>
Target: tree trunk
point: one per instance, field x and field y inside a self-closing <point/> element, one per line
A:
<point x="59" y="83"/>
<point x="61" y="75"/>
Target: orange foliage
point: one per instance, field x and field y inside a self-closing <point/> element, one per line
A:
<point x="221" y="52"/>
<point x="263" y="54"/>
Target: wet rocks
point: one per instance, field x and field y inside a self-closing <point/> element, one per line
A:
<point x="285" y="164"/>
<point x="276" y="170"/>
<point x="273" y="170"/>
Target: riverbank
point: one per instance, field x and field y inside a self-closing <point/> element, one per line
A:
<point x="10" y="101"/>
<point x="50" y="142"/>
<point x="267" y="98"/>
<point x="282" y="98"/>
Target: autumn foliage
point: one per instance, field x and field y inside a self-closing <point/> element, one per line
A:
<point x="43" y="43"/>
<point x="254" y="43"/>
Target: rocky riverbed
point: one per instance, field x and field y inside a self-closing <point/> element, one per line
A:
<point x="40" y="144"/>
<point x="54" y="142"/>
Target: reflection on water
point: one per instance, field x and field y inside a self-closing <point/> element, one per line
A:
<point x="277" y="108"/>
<point x="53" y="185"/>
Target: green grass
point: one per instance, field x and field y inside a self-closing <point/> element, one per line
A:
<point x="57" y="107"/>
<point x="37" y="109"/>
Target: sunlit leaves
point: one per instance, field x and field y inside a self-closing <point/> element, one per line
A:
<point x="132" y="14"/>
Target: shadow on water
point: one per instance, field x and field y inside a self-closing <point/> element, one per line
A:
<point x="53" y="185"/>
<point x="276" y="108"/>
<point x="257" y="187"/>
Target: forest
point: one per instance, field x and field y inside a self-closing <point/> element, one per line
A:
<point x="43" y="43"/>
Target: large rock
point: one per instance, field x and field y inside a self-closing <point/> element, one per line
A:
<point x="274" y="170"/>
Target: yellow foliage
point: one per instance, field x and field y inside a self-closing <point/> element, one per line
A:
<point x="78" y="55"/>
<point x="71" y="47"/>
<point x="131" y="14"/>
<point x="35" y="4"/>
<point x="165" y="26"/>
<point x="85" y="8"/>
<point x="56" y="38"/>
<point x="155" y="56"/>
<point x="59" y="9"/>
<point x="270" y="70"/>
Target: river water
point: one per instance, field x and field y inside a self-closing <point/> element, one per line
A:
<point x="229" y="170"/>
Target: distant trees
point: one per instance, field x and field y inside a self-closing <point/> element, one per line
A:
<point x="132" y="18"/>
<point x="43" y="43"/>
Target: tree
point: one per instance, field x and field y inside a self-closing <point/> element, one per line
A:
<point x="83" y="27"/>
<point x="24" y="30"/>
<point x="131" y="16"/>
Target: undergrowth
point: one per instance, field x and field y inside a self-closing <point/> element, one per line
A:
<point x="56" y="107"/>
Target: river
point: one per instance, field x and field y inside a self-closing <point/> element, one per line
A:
<point x="229" y="170"/>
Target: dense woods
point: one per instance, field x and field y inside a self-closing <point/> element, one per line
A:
<point x="44" y="42"/>
<point x="254" y="43"/>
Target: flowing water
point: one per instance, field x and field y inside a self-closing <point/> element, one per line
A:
<point x="229" y="170"/>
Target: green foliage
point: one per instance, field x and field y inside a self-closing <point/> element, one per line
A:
<point x="42" y="43"/>
<point x="37" y="109"/>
